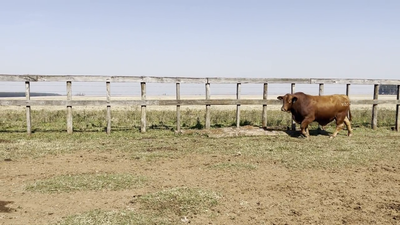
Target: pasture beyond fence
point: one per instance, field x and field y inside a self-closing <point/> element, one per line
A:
<point x="69" y="103"/>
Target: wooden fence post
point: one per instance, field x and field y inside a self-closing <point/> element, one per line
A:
<point x="28" y="107"/>
<point x="143" y="107"/>
<point x="321" y="89"/>
<point x="69" y="108"/>
<point x="348" y="93"/>
<point x="238" y="90"/>
<point x="374" y="122"/>
<point x="264" y="112"/>
<point x="320" y="93"/>
<point x="208" y="116"/>
<point x="108" y="107"/>
<point x="292" y="88"/>
<point x="178" y="108"/>
<point x="398" y="110"/>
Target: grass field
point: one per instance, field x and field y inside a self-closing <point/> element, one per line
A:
<point x="196" y="177"/>
<point x="86" y="120"/>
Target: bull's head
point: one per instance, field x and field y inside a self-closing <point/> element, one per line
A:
<point x="288" y="101"/>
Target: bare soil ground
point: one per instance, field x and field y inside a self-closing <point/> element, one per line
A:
<point x="271" y="194"/>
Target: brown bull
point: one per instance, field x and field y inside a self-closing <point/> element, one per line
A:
<point x="306" y="109"/>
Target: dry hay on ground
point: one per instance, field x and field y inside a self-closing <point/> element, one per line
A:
<point x="234" y="131"/>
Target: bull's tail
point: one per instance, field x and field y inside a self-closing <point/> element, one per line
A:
<point x="349" y="115"/>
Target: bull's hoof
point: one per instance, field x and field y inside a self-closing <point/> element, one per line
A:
<point x="331" y="136"/>
<point x="302" y="136"/>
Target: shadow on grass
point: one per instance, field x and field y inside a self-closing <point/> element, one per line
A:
<point x="297" y="133"/>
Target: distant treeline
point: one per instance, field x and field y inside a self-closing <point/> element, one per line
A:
<point x="388" y="89"/>
<point x="22" y="94"/>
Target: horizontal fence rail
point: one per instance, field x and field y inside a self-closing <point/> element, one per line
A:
<point x="207" y="102"/>
<point x="214" y="80"/>
<point x="167" y="102"/>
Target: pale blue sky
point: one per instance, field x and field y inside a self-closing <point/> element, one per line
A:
<point x="202" y="38"/>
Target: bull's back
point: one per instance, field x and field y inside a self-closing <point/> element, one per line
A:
<point x="328" y="107"/>
<point x="332" y="102"/>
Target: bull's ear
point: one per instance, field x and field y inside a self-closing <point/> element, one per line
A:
<point x="280" y="97"/>
<point x="294" y="99"/>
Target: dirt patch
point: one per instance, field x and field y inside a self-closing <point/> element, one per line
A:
<point x="270" y="193"/>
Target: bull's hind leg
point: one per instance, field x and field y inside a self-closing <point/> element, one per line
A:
<point x="348" y="125"/>
<point x="342" y="119"/>
<point x="339" y="127"/>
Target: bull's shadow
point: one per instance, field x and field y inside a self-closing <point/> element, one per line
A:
<point x="313" y="132"/>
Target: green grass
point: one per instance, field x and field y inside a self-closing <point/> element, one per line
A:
<point x="86" y="182"/>
<point x="123" y="120"/>
<point x="364" y="147"/>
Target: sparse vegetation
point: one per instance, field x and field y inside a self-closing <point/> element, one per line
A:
<point x="364" y="146"/>
<point x="166" y="207"/>
<point x="86" y="182"/>
<point x="181" y="201"/>
<point x="113" y="217"/>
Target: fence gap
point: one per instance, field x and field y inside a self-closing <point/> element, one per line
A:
<point x="264" y="112"/>
<point x="398" y="110"/>
<point x="208" y="117"/>
<point x="178" y="108"/>
<point x="238" y="90"/>
<point x="292" y="88"/>
<point x="143" y="107"/>
<point x="374" y="122"/>
<point x="28" y="107"/>
<point x="69" y="108"/>
<point x="108" y="107"/>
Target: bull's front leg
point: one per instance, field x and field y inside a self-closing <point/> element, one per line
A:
<point x="304" y="130"/>
<point x="304" y="126"/>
